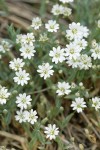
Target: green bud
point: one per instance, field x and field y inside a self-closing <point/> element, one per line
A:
<point x="44" y="120"/>
<point x="32" y="83"/>
<point x="61" y="108"/>
<point x="54" y="87"/>
<point x="5" y="111"/>
<point x="14" y="92"/>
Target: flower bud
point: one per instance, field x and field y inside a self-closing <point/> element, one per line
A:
<point x="5" y="111"/>
<point x="44" y="120"/>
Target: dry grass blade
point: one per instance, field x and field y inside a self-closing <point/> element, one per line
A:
<point x="90" y="124"/>
<point x="21" y="140"/>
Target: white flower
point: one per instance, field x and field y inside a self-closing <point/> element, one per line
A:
<point x="76" y="31"/>
<point x="52" y="26"/>
<point x="61" y="10"/>
<point x="36" y="23"/>
<point x="96" y="52"/>
<point x="45" y="70"/>
<point x="57" y="9"/>
<point x="85" y="62"/>
<point x="3" y="95"/>
<point x="27" y="51"/>
<point x="32" y="116"/>
<point x="51" y="131"/>
<point x="27" y="39"/>
<point x="82" y="43"/>
<point x="66" y="11"/>
<point x="85" y="31"/>
<point x="63" y="88"/>
<point x="73" y="62"/>
<point x="72" y="51"/>
<point x="21" y="77"/>
<point x="21" y="116"/>
<point x="43" y="37"/>
<point x="66" y="1"/>
<point x="78" y="104"/>
<point x="81" y="62"/>
<point x="19" y="38"/>
<point x="5" y="46"/>
<point x="23" y="101"/>
<point x="96" y="103"/>
<point x="16" y="64"/>
<point x="57" y="54"/>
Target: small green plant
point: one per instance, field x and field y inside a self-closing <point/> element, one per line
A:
<point x="45" y="67"/>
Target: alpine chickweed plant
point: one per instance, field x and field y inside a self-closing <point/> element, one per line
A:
<point x="52" y="65"/>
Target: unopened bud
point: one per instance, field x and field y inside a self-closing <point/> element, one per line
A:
<point x="72" y="139"/>
<point x="44" y="120"/>
<point x="14" y="92"/>
<point x="60" y="71"/>
<point x="94" y="44"/>
<point x="80" y="84"/>
<point x="54" y="87"/>
<point x="61" y="108"/>
<point x="87" y="131"/>
<point x="77" y="94"/>
<point x="5" y="111"/>
<point x="32" y="83"/>
<point x="81" y="147"/>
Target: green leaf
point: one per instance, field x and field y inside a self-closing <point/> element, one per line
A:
<point x="65" y="122"/>
<point x="43" y="8"/>
<point x="3" y="5"/>
<point x="40" y="137"/>
<point x="12" y="33"/>
<point x="7" y="118"/>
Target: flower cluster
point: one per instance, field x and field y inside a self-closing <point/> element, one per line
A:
<point x="41" y="51"/>
<point x="74" y="50"/>
<point x="26" y="116"/>
<point x="27" y="52"/>
<point x="25" y="39"/>
<point x="78" y="103"/>
<point x="61" y="10"/>
<point x="23" y="101"/>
